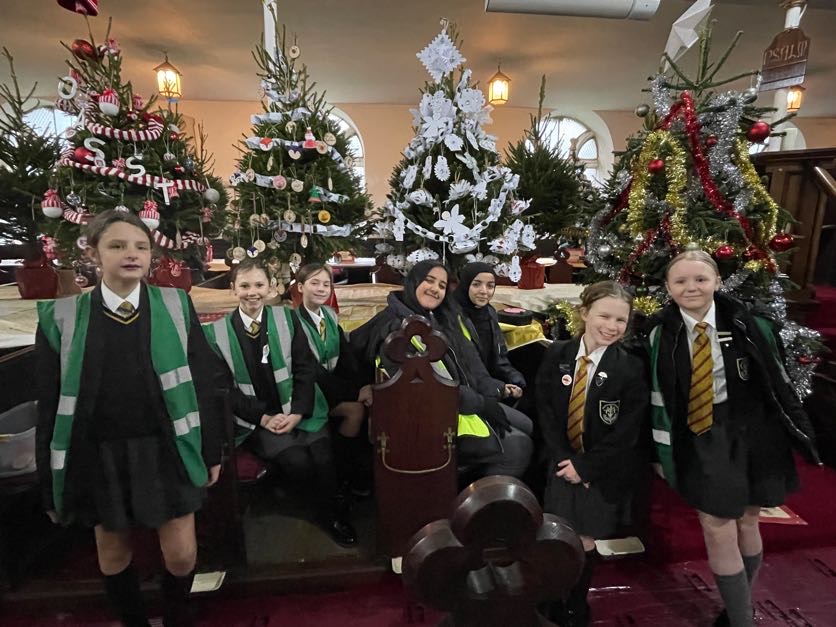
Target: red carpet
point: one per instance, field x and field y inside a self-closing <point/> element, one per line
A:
<point x="676" y="536"/>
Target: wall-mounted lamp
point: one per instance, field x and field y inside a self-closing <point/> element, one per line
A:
<point x="795" y="96"/>
<point x="499" y="88"/>
<point x="168" y="80"/>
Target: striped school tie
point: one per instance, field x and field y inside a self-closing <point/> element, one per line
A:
<point x="701" y="397"/>
<point x="322" y="328"/>
<point x="125" y="310"/>
<point x="577" y="404"/>
<point x="255" y="327"/>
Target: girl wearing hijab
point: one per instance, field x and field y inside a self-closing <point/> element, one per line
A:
<point x="492" y="437"/>
<point x="473" y="294"/>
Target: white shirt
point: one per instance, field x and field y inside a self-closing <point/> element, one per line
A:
<point x="720" y="389"/>
<point x="315" y="317"/>
<point x="112" y="300"/>
<point x="248" y="322"/>
<point x="595" y="356"/>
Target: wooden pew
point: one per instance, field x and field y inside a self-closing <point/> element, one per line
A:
<point x="413" y="422"/>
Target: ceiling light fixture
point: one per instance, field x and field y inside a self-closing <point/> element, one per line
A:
<point x="499" y="88"/>
<point x="168" y="80"/>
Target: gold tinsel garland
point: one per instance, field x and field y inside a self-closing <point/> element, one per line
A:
<point x="566" y="311"/>
<point x="675" y="174"/>
<point x="750" y="175"/>
<point x="646" y="305"/>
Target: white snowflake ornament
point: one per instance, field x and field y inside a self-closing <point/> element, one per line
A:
<point x="421" y="254"/>
<point x="515" y="271"/>
<point x="453" y="142"/>
<point x="409" y="176"/>
<point x="421" y="197"/>
<point x="441" y="56"/>
<point x="442" y="170"/>
<point x="398" y="228"/>
<point x="459" y="189"/>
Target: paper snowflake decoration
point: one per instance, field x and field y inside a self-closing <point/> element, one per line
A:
<point x="441" y="56"/>
<point x="442" y="169"/>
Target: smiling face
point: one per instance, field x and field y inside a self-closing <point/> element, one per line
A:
<point x="316" y="290"/>
<point x="691" y="285"/>
<point x="123" y="252"/>
<point x="251" y="288"/>
<point x="481" y="289"/>
<point x="430" y="292"/>
<point x="605" y="321"/>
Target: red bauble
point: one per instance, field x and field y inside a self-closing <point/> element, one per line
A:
<point x="711" y="141"/>
<point x="753" y="253"/>
<point x="657" y="165"/>
<point x="173" y="136"/>
<point x="724" y="252"/>
<point x="781" y="242"/>
<point x="81" y="155"/>
<point x="83" y="49"/>
<point x="758" y="132"/>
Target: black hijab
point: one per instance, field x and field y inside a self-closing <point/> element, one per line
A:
<point x="462" y="293"/>
<point x="479" y="316"/>
<point x="415" y="277"/>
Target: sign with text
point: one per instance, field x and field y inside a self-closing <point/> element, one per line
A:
<point x="785" y="61"/>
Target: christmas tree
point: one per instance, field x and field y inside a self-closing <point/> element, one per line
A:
<point x="563" y="199"/>
<point x="26" y="157"/>
<point x="298" y="200"/>
<point x="125" y="155"/>
<point x="451" y="198"/>
<point x="686" y="181"/>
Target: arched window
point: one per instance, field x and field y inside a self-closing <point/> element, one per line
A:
<point x="354" y="141"/>
<point x="49" y="120"/>
<point x="572" y="137"/>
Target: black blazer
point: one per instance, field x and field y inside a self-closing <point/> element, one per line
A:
<point x="755" y="379"/>
<point x="252" y="409"/>
<point x="617" y="408"/>
<point x="206" y="368"/>
<point x="343" y="384"/>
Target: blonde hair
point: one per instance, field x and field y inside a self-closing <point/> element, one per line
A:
<point x="693" y="254"/>
<point x="597" y="291"/>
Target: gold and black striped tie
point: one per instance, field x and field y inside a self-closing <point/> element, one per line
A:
<point x="577" y="404"/>
<point x="701" y="397"/>
<point x="125" y="310"/>
<point x="322" y="329"/>
<point x="255" y="327"/>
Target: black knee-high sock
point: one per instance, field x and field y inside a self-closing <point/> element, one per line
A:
<point x="126" y="598"/>
<point x="576" y="603"/>
<point x="737" y="598"/>
<point x="177" y="611"/>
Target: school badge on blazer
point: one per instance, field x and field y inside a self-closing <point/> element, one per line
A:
<point x="743" y="368"/>
<point x="608" y="411"/>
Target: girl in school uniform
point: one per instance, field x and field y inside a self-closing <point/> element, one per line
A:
<point x="128" y="432"/>
<point x="477" y="284"/>
<point x="724" y="418"/>
<point x="494" y="439"/>
<point x="336" y="372"/>
<point x="592" y="398"/>
<point x="278" y="409"/>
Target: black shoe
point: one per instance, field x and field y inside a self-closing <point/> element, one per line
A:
<point x="575" y="618"/>
<point x="342" y="532"/>
<point x="361" y="490"/>
<point x="722" y="619"/>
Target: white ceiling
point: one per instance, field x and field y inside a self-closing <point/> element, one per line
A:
<point x="364" y="50"/>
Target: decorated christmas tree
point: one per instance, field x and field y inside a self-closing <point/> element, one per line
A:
<point x="298" y="200"/>
<point x="563" y="199"/>
<point x="451" y="198"/>
<point x="126" y="154"/>
<point x="26" y="156"/>
<point x="687" y="181"/>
